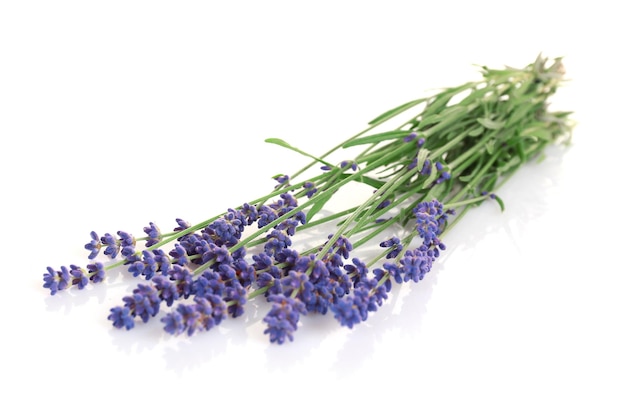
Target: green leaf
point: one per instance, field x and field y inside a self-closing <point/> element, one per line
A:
<point x="500" y="202"/>
<point x="519" y="112"/>
<point x="538" y="132"/>
<point x="439" y="101"/>
<point x="366" y="180"/>
<point x="422" y="155"/>
<point x="284" y="144"/>
<point x="466" y="178"/>
<point x="476" y="132"/>
<point x="433" y="176"/>
<point x="490" y="146"/>
<point x="476" y="94"/>
<point x="322" y="199"/>
<point x="376" y="138"/>
<point x="490" y="124"/>
<point x="449" y="114"/>
<point x="396" y="111"/>
<point x="511" y="163"/>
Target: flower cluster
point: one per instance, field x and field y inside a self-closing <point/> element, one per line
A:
<point x="196" y="275"/>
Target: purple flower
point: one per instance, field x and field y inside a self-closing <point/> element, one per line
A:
<point x="112" y="245"/>
<point x="249" y="213"/>
<point x="357" y="271"/>
<point x="79" y="277"/>
<point x="379" y="274"/>
<point x="167" y="290"/>
<point x="96" y="272"/>
<point x="347" y="311"/>
<point x="282" y="179"/>
<point x="144" y="302"/>
<point x="282" y="319"/>
<point x="276" y="241"/>
<point x="136" y="268"/>
<point x="177" y="321"/>
<point x="312" y="267"/>
<point x="310" y="187"/>
<point x="410" y="137"/>
<point x="121" y="318"/>
<point x="261" y="262"/>
<point x="244" y="271"/>
<point x="394" y="246"/>
<point x="272" y="283"/>
<point x="209" y="283"/>
<point x="56" y="280"/>
<point x="217" y="254"/>
<point x="427" y="220"/>
<point x="150" y="264"/>
<point x="126" y="240"/>
<point x="343" y="246"/>
<point x="416" y="264"/>
<point x="384" y="204"/>
<point x="93" y="246"/>
<point x="202" y="315"/>
<point x="130" y="254"/>
<point x="351" y="164"/>
<point x="236" y="297"/>
<point x="154" y="234"/>
<point x="226" y="272"/>
<point x="287" y="258"/>
<point x="267" y="215"/>
<point x="324" y="293"/>
<point x="180" y="255"/>
<point x="181" y="226"/>
<point x="426" y="168"/>
<point x="295" y="280"/>
<point x="226" y="230"/>
<point x="341" y="281"/>
<point x="162" y="260"/>
<point x="183" y="278"/>
<point x="289" y="225"/>
<point x="395" y="271"/>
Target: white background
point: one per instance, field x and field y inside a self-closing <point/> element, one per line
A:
<point x="114" y="114"/>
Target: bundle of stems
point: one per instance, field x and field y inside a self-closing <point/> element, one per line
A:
<point x="454" y="151"/>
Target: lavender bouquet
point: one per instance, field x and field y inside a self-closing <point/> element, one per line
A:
<point x="451" y="154"/>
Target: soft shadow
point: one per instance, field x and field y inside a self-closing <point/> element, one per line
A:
<point x="183" y="352"/>
<point x="68" y="299"/>
<point x="404" y="313"/>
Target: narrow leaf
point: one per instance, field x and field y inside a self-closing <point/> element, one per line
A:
<point x="465" y="178"/>
<point x="476" y="132"/>
<point x="511" y="163"/>
<point x="422" y="155"/>
<point x="490" y="146"/>
<point x="396" y="111"/>
<point x="285" y="144"/>
<point x="450" y="113"/>
<point x="322" y="199"/>
<point x="538" y="132"/>
<point x="433" y="176"/>
<point x="500" y="202"/>
<point x="366" y="180"/>
<point x="490" y="124"/>
<point x="440" y="100"/>
<point x="376" y="138"/>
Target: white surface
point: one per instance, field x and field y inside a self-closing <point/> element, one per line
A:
<point x="115" y="114"/>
